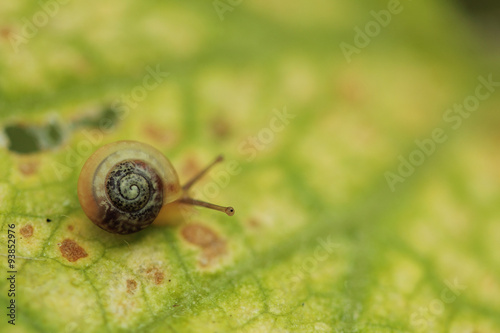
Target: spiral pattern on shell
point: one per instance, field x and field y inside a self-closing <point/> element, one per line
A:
<point x="124" y="185"/>
<point x="129" y="185"/>
<point x="135" y="193"/>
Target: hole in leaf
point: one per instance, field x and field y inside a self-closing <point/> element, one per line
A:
<point x="30" y="139"/>
<point x="105" y="120"/>
<point x="22" y="140"/>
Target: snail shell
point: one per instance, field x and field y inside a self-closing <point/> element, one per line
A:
<point x="123" y="186"/>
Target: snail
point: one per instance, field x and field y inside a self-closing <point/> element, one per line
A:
<point x="123" y="186"/>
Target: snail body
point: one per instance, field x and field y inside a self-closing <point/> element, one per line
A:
<point x="123" y="186"/>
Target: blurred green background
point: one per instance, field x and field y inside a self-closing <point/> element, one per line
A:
<point x="361" y="145"/>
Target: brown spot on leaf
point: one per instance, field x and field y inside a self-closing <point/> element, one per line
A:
<point x="131" y="286"/>
<point x="213" y="247"/>
<point x="254" y="223"/>
<point x="71" y="228"/>
<point x="190" y="168"/>
<point x="5" y="32"/>
<point x="351" y="89"/>
<point x="220" y="127"/>
<point x="27" y="231"/>
<point x="155" y="274"/>
<point x="28" y="168"/>
<point x="199" y="235"/>
<point x="159" y="134"/>
<point x="71" y="250"/>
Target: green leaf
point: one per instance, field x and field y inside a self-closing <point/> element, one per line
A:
<point x="321" y="240"/>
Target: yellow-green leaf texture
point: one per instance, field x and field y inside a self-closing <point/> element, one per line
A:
<point x="319" y="242"/>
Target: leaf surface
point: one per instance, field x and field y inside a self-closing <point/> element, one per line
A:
<point x="319" y="241"/>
